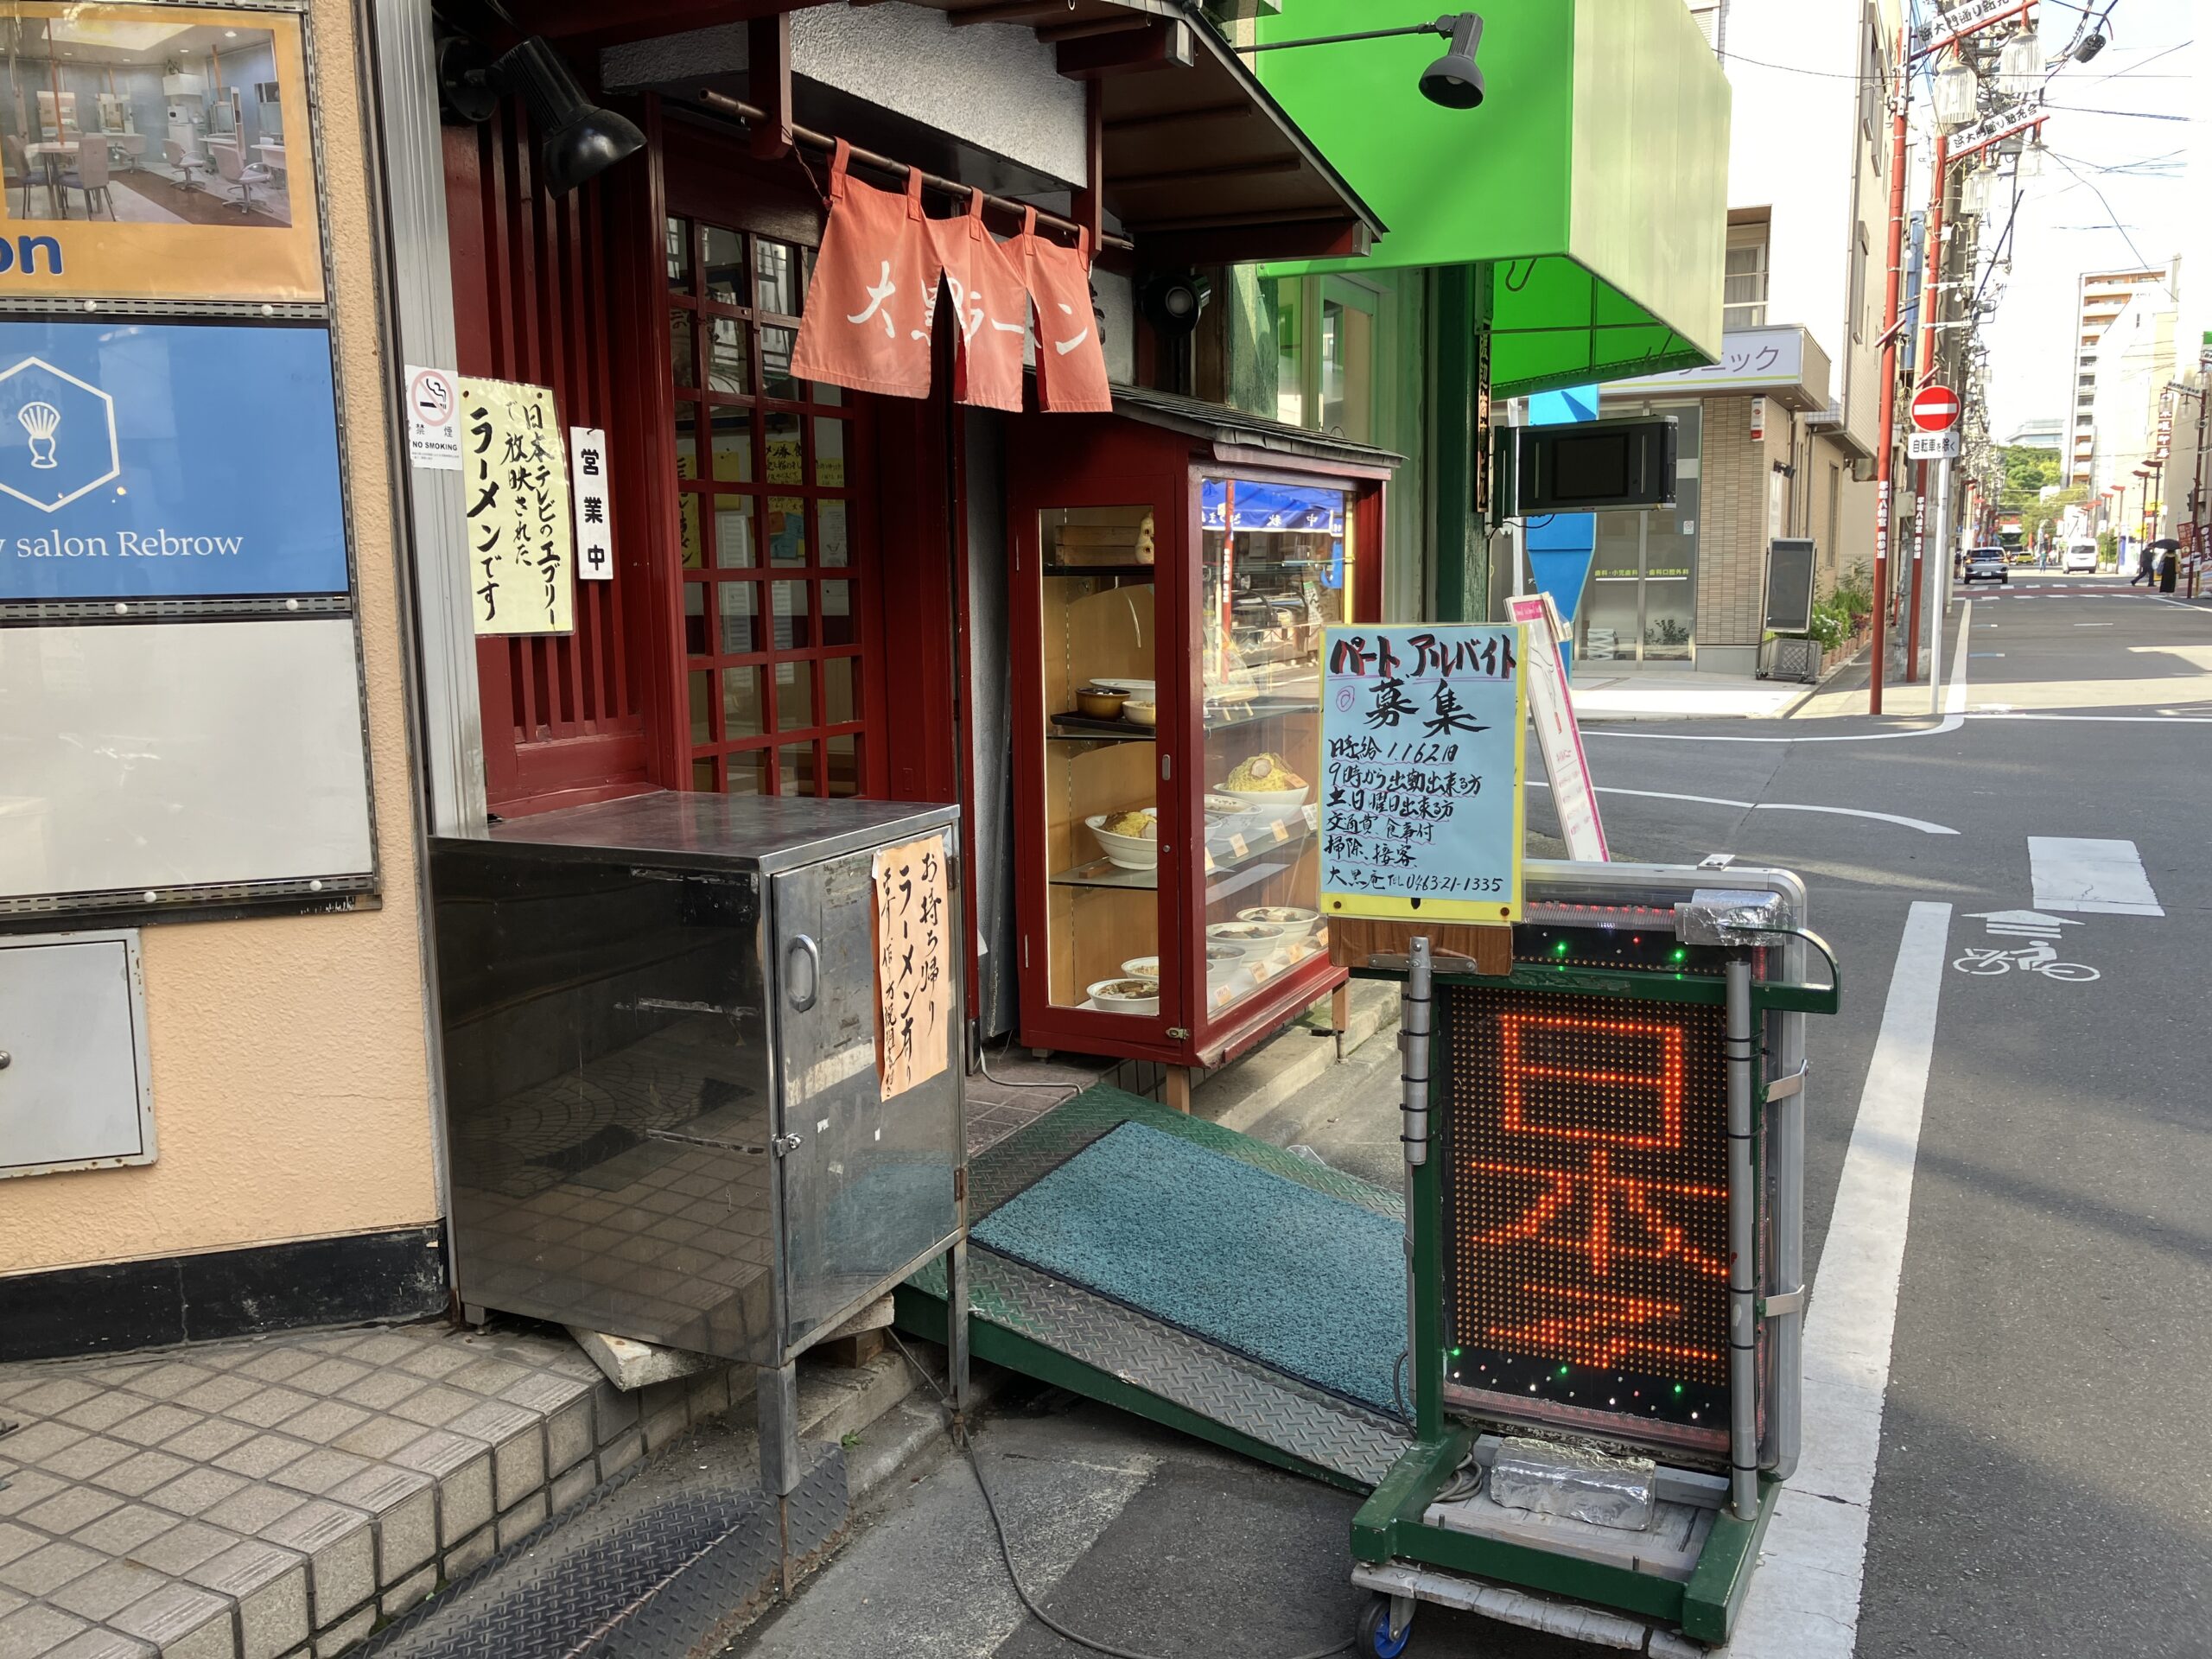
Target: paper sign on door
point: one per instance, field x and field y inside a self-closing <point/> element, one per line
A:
<point x="913" y="965"/>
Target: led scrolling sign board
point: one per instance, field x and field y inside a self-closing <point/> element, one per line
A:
<point x="1586" y="1212"/>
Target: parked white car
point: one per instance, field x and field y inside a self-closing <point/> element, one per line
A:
<point x="2079" y="557"/>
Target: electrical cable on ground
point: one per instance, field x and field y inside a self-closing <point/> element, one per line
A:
<point x="1006" y="1550"/>
<point x="983" y="1059"/>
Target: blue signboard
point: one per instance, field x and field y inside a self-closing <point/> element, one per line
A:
<point x="168" y="461"/>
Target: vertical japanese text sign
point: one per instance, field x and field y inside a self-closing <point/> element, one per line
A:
<point x="594" y="533"/>
<point x="913" y="965"/>
<point x="515" y="480"/>
<point x="1421" y="773"/>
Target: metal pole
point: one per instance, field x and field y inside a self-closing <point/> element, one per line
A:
<point x="1885" y="484"/>
<point x="1939" y="590"/>
<point x="1742" y="1047"/>
<point x="1413" y="1043"/>
<point x="1414" y="1003"/>
<point x="1924" y="361"/>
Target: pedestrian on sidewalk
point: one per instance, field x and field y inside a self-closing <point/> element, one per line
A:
<point x="2168" y="564"/>
<point x="2142" y="566"/>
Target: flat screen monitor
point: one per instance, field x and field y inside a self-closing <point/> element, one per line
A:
<point x="1596" y="465"/>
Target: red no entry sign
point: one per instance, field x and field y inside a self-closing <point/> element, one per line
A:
<point x="1935" y="408"/>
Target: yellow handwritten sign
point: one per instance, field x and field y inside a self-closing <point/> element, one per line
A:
<point x="169" y="155"/>
<point x="522" y="549"/>
<point x="913" y="965"/>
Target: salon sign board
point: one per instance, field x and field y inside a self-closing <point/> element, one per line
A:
<point x="141" y="459"/>
<point x="1421" y="810"/>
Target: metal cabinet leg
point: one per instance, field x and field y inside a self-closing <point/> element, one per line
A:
<point x="777" y="1397"/>
<point x="955" y="1324"/>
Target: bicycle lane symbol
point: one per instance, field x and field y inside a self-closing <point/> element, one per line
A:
<point x="2038" y="956"/>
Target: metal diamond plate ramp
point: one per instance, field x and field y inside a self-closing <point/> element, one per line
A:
<point x="674" y="1579"/>
<point x="1185" y="1372"/>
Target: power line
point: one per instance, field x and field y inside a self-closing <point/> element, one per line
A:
<point x="2141" y="264"/>
<point x="2133" y="114"/>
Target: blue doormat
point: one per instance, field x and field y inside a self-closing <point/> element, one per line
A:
<point x="1303" y="1283"/>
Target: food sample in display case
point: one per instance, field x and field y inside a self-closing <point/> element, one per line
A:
<point x="1172" y="568"/>
<point x="1098" y="645"/>
<point x="1272" y="560"/>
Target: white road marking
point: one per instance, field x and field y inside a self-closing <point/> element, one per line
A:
<point x="1803" y="1601"/>
<point x="2096" y="624"/>
<point x="1921" y="824"/>
<point x="1954" y="713"/>
<point x="2104" y="878"/>
<point x="2110" y="719"/>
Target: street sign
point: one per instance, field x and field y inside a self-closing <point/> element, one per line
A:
<point x="1964" y="19"/>
<point x="1935" y="408"/>
<point x="1931" y="446"/>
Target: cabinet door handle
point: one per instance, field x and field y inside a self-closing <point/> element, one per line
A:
<point x="802" y="946"/>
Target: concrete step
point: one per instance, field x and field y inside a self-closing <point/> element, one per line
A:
<point x="1239" y="1096"/>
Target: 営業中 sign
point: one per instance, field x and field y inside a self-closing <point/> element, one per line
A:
<point x="1558" y="735"/>
<point x="913" y="963"/>
<point x="515" y="483"/>
<point x="1420" y="810"/>
<point x="122" y="475"/>
<point x="595" y="527"/>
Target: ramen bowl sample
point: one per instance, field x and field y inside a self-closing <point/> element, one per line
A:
<point x="1097" y="703"/>
<point x="1126" y="995"/>
<point x="1129" y="840"/>
<point x="1142" y="968"/>
<point x="1251" y="938"/>
<point x="1295" y="920"/>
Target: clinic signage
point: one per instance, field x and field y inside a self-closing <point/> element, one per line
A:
<point x="165" y="154"/>
<point x="158" y="460"/>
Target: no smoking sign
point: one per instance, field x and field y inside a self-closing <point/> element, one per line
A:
<point x="433" y="419"/>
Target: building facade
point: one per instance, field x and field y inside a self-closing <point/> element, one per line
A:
<point x="2100" y="297"/>
<point x="2134" y="366"/>
<point x="1788" y="425"/>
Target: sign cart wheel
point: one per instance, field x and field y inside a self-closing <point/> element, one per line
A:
<point x="1375" y="1640"/>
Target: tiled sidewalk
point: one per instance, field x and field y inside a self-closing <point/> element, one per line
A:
<point x="261" y="1499"/>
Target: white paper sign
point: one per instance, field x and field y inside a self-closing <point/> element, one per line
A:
<point x="1559" y="736"/>
<point x="595" y="535"/>
<point x="1932" y="446"/>
<point x="433" y="419"/>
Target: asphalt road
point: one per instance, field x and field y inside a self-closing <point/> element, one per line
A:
<point x="2044" y="1484"/>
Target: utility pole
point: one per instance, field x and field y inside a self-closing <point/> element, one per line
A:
<point x="1885" y="465"/>
<point x="1932" y="289"/>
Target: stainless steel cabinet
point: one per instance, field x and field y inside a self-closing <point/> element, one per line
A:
<point x="664" y="1113"/>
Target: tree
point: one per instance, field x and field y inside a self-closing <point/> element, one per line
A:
<point x="2027" y="473"/>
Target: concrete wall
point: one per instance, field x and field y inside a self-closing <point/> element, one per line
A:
<point x="1805" y="149"/>
<point x="290" y="1080"/>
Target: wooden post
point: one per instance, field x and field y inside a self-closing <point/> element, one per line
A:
<point x="1179" y="1089"/>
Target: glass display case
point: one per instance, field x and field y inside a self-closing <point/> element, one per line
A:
<point x="1170" y="591"/>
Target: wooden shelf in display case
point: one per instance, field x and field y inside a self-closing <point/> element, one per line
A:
<point x="1178" y="840"/>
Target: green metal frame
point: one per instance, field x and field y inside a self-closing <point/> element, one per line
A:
<point x="1388" y="1526"/>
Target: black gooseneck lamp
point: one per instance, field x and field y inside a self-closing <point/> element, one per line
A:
<point x="580" y="139"/>
<point x="1454" y="81"/>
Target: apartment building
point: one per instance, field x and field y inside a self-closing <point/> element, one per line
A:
<point x="2100" y="298"/>
<point x="2134" y="364"/>
<point x="1779" y="438"/>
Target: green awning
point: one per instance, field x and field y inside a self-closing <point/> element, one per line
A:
<point x="1594" y="179"/>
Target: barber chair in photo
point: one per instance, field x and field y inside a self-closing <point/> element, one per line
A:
<point x="18" y="174"/>
<point x="90" y="175"/>
<point x="188" y="166"/>
<point x="231" y="162"/>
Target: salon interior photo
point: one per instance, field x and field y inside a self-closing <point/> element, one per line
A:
<point x="142" y="120"/>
